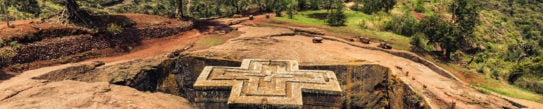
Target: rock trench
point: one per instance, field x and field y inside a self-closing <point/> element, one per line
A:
<point x="364" y="86"/>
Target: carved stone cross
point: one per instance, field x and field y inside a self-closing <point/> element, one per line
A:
<point x="268" y="83"/>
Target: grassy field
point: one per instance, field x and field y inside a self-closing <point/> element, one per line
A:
<point x="210" y="41"/>
<point x="358" y="24"/>
<point x="508" y="90"/>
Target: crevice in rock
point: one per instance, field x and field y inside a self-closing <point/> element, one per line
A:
<point x="372" y="86"/>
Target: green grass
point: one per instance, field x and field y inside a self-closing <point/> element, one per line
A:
<point x="352" y="27"/>
<point x="210" y="41"/>
<point x="508" y="90"/>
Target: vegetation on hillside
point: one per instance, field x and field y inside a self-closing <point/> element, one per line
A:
<point x="476" y="37"/>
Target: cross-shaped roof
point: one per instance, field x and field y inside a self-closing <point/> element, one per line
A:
<point x="268" y="82"/>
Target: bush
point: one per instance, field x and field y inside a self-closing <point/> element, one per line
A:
<point x="418" y="41"/>
<point x="373" y="6"/>
<point x="419" y="7"/>
<point x="404" y="24"/>
<point x="114" y="28"/>
<point x="362" y="24"/>
<point x="7" y="53"/>
<point x="336" y="17"/>
<point x="528" y="75"/>
<point x="14" y="44"/>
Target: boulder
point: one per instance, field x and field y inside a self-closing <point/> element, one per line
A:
<point x="317" y="39"/>
<point x="365" y="40"/>
<point x="237" y="16"/>
<point x="385" y="45"/>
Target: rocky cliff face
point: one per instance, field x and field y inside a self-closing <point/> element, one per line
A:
<point x="365" y="86"/>
<point x="372" y="86"/>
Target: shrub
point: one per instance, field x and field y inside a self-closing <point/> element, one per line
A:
<point x="14" y="44"/>
<point x="418" y="41"/>
<point x="1" y="42"/>
<point x="114" y="28"/>
<point x="528" y="75"/>
<point x="7" y="53"/>
<point x="480" y="57"/>
<point x="336" y="17"/>
<point x="404" y="24"/>
<point x="419" y="7"/>
<point x="373" y="6"/>
<point x="531" y="48"/>
<point x="362" y="24"/>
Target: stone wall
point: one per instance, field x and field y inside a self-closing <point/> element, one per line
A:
<point x="373" y="86"/>
<point x="58" y="47"/>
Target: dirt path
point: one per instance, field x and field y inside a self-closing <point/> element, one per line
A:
<point x="156" y="47"/>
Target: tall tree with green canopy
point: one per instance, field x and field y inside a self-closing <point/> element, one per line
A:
<point x="315" y="4"/>
<point x="442" y="32"/>
<point x="336" y="17"/>
<point x="373" y="6"/>
<point x="302" y="4"/>
<point x="291" y="7"/>
<point x="466" y="16"/>
<point x="279" y="5"/>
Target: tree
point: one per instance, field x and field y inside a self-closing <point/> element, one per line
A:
<point x="373" y="6"/>
<point x="418" y="43"/>
<point x="291" y="7"/>
<point x="218" y="8"/>
<point x="179" y="9"/>
<point x="466" y="16"/>
<point x="527" y="75"/>
<point x="315" y="4"/>
<point x="442" y="32"/>
<point x="279" y="5"/>
<point x="336" y="17"/>
<point x="75" y="15"/>
<point x="405" y="24"/>
<point x="302" y="4"/>
<point x="5" y="12"/>
<point x="388" y="5"/>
